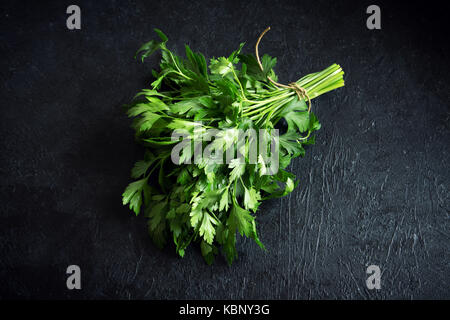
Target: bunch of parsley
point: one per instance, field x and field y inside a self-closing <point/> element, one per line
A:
<point x="201" y="200"/>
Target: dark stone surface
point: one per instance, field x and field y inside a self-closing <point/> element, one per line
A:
<point x="374" y="190"/>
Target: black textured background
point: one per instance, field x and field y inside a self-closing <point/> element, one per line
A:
<point x="374" y="190"/>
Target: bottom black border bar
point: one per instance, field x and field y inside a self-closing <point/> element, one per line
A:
<point x="223" y="309"/>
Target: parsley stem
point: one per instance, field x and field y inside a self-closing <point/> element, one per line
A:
<point x="237" y="80"/>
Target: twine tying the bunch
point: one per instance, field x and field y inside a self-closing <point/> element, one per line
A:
<point x="301" y="92"/>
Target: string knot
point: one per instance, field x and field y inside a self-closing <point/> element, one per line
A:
<point x="301" y="92"/>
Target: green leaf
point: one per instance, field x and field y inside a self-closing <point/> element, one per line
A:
<point x="197" y="62"/>
<point x="161" y="35"/>
<point x="310" y="141"/>
<point x="147" y="49"/>
<point x="288" y="142"/>
<point x="296" y="115"/>
<point x="207" y="229"/>
<point x="153" y="105"/>
<point x="224" y="204"/>
<point x="229" y="245"/>
<point x="133" y="195"/>
<point x="295" y="105"/>
<point x="176" y="226"/>
<point x="183" y="208"/>
<point x="221" y="66"/>
<point x="238" y="169"/>
<point x="205" y="223"/>
<point x="157" y="223"/>
<point x="254" y="236"/>
<point x="140" y="168"/>
<point x="157" y="214"/>
<point x="147" y="120"/>
<point x="253" y="69"/>
<point x="182" y="124"/>
<point x="139" y="109"/>
<point x="183" y="176"/>
<point x="251" y="199"/>
<point x="289" y="186"/>
<point x="196" y="216"/>
<point x="298" y="120"/>
<point x="313" y="122"/>
<point x="241" y="220"/>
<point x="234" y="55"/>
<point x="148" y="93"/>
<point x="195" y="105"/>
<point x="268" y="63"/>
<point x="208" y="252"/>
<point x="160" y="77"/>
